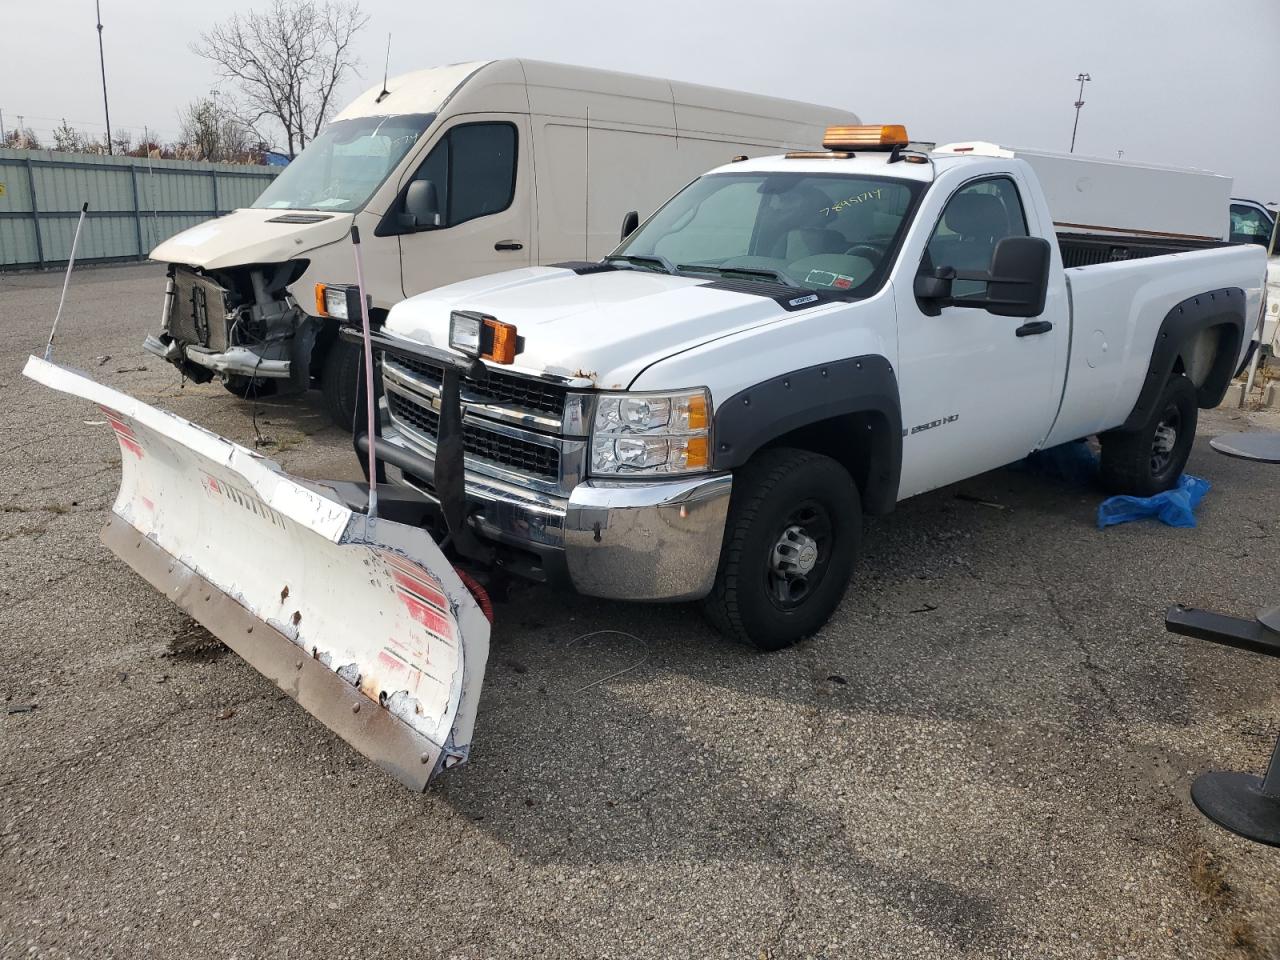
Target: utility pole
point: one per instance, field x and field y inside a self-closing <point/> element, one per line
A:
<point x="3" y="138"/>
<point x="102" y="62"/>
<point x="1083" y="78"/>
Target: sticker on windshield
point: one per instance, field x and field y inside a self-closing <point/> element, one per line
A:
<point x="825" y="278"/>
<point x="840" y="205"/>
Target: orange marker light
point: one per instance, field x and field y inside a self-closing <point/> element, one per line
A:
<point x="698" y="412"/>
<point x="878" y="136"/>
<point x="502" y="344"/>
<point x="695" y="453"/>
<point x="321" y="309"/>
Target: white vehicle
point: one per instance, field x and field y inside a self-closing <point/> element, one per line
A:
<point x="1102" y="196"/>
<point x="1254" y="222"/>
<point x="449" y="173"/>
<point x="707" y="413"/>
<point x="791" y="343"/>
<point x="1251" y="222"/>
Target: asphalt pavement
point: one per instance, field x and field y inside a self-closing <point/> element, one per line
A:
<point x="985" y="754"/>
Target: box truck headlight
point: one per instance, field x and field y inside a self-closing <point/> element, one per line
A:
<point x="331" y="300"/>
<point x="644" y="434"/>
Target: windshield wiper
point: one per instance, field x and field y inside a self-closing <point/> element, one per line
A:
<point x="751" y="273"/>
<point x="653" y="259"/>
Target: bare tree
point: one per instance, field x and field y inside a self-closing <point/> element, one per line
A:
<point x="286" y="62"/>
<point x="22" y="138"/>
<point x="211" y="133"/>
<point x="68" y="139"/>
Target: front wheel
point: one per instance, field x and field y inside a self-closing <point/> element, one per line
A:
<point x="341" y="381"/>
<point x="791" y="539"/>
<point x="1150" y="459"/>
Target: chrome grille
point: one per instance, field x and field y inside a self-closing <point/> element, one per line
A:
<point x="497" y="388"/>
<point x="510" y="452"/>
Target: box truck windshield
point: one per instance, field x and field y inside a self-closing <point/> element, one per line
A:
<point x="340" y="169"/>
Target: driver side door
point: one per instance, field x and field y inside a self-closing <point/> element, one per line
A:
<point x="978" y="391"/>
<point x="483" y="176"/>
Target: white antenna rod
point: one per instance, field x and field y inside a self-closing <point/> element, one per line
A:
<point x="368" y="377"/>
<point x="586" y="193"/>
<point x="66" y="282"/>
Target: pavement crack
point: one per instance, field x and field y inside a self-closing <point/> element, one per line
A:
<point x="1092" y="671"/>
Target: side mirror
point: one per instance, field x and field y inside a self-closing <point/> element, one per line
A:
<point x="421" y="207"/>
<point x="1017" y="283"/>
<point x="935" y="286"/>
<point x="1019" y="280"/>
<point x="630" y="221"/>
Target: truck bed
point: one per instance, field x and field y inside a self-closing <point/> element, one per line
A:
<point x="1088" y="249"/>
<point x="1110" y="348"/>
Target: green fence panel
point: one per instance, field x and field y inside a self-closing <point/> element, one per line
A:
<point x="135" y="203"/>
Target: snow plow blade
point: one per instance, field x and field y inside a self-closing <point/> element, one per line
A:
<point x="362" y="622"/>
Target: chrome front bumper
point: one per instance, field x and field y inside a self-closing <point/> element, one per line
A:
<point x="624" y="540"/>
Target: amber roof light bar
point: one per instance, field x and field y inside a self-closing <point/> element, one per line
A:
<point x="877" y="136"/>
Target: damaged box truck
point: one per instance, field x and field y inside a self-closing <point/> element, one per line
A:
<point x="449" y="173"/>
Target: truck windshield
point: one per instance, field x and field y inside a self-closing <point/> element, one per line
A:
<point x="831" y="232"/>
<point x="340" y="169"/>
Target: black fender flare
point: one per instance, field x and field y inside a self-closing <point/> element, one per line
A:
<point x="1215" y="308"/>
<point x="760" y="414"/>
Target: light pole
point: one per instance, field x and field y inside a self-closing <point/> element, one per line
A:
<point x="1083" y="78"/>
<point x="102" y="63"/>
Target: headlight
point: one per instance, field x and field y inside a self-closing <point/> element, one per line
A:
<point x="331" y="300"/>
<point x="478" y="335"/>
<point x="643" y="433"/>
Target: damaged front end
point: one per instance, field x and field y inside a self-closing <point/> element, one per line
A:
<point x="362" y="621"/>
<point x="240" y="324"/>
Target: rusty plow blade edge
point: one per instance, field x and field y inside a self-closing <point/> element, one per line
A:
<point x="364" y="623"/>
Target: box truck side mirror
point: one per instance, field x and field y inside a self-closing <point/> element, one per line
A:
<point x="421" y="207"/>
<point x="630" y="221"/>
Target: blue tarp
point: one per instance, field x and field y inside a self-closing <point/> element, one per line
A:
<point x="1077" y="463"/>
<point x="1175" y="507"/>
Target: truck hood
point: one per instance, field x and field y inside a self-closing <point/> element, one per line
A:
<point x="253" y="236"/>
<point x="604" y="327"/>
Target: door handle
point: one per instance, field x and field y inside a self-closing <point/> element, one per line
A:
<point x="1033" y="328"/>
<point x="508" y="245"/>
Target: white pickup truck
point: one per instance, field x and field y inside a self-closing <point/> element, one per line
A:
<point x="791" y="343"/>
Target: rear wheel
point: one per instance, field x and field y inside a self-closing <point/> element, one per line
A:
<point x="794" y="528"/>
<point x="340" y="382"/>
<point x="1150" y="459"/>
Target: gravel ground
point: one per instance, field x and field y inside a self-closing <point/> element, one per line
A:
<point x="985" y="754"/>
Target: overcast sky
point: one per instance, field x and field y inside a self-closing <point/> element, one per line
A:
<point x="1184" y="82"/>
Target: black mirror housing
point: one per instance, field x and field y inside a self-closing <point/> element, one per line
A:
<point x="630" y="221"/>
<point x="421" y="207"/>
<point x="1017" y="283"/>
<point x="1019" y="280"/>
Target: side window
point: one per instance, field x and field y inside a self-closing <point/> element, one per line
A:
<point x="474" y="170"/>
<point x="1249" y="225"/>
<point x="977" y="217"/>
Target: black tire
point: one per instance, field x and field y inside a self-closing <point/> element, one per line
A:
<point x="340" y="381"/>
<point x="774" y="494"/>
<point x="249" y="388"/>
<point x="1146" y="461"/>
